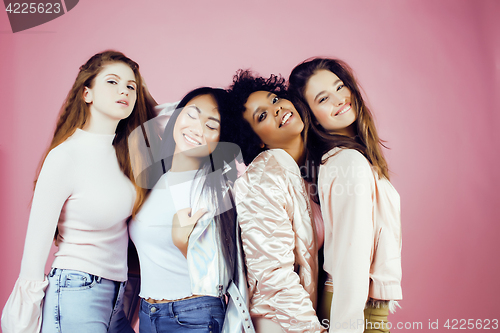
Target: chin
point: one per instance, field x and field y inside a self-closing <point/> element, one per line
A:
<point x="197" y="152"/>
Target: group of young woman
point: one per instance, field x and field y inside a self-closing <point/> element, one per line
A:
<point x="315" y="182"/>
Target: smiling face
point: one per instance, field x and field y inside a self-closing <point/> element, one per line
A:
<point x="113" y="94"/>
<point x="273" y="119"/>
<point x="330" y="102"/>
<point x="197" y="129"/>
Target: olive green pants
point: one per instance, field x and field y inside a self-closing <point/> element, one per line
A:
<point x="375" y="318"/>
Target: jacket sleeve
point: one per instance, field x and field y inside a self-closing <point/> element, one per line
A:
<point x="266" y="216"/>
<point x="23" y="311"/>
<point x="346" y="184"/>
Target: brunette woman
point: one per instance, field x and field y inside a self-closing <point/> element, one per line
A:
<point x="83" y="195"/>
<point x="185" y="233"/>
<point x="360" y="207"/>
<point x="274" y="212"/>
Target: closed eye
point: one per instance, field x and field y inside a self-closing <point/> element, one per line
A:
<point x="212" y="125"/>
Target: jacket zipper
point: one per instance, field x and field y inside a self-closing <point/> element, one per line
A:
<point x="221" y="287"/>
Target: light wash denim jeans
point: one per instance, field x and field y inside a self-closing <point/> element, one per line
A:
<point x="200" y="314"/>
<point x="78" y="302"/>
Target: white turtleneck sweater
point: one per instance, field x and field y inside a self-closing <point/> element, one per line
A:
<point x="82" y="191"/>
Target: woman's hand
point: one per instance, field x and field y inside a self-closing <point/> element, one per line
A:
<point x="182" y="225"/>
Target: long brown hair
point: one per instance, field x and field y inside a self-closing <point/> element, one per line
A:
<point x="75" y="112"/>
<point x="320" y="141"/>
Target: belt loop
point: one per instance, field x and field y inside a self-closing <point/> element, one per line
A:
<point x="98" y="279"/>
<point x="52" y="272"/>
<point x="171" y="308"/>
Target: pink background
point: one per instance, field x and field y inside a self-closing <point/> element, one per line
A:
<point x="430" y="70"/>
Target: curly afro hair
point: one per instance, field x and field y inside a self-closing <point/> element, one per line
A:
<point x="245" y="82"/>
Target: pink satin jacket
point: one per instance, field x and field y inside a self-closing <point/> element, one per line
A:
<point x="362" y="247"/>
<point x="279" y="242"/>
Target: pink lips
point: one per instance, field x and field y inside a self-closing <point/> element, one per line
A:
<point x="344" y="109"/>
<point x="122" y="101"/>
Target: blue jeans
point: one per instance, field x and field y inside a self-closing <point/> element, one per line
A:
<point x="78" y="302"/>
<point x="200" y="314"/>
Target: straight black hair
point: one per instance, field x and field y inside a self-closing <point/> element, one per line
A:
<point x="218" y="169"/>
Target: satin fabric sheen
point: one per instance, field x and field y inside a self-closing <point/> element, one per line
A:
<point x="278" y="238"/>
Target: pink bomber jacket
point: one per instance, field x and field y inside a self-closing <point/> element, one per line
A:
<point x="362" y="247"/>
<point x="279" y="241"/>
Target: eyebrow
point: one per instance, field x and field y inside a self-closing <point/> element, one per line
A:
<point x="323" y="91"/>
<point x="258" y="109"/>
<point x="199" y="111"/>
<point x="115" y="75"/>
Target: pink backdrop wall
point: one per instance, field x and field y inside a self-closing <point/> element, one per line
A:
<point x="430" y="69"/>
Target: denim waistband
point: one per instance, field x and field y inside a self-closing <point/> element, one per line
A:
<point x="173" y="308"/>
<point x="55" y="271"/>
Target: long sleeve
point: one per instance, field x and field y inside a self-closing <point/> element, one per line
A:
<point x="22" y="312"/>
<point x="346" y="189"/>
<point x="82" y="191"/>
<point x="266" y="213"/>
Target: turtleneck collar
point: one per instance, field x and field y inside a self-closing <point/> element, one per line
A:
<point x="98" y="138"/>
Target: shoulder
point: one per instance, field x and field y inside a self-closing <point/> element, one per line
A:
<point x="274" y="162"/>
<point x="69" y="148"/>
<point x="69" y="154"/>
<point x="271" y="169"/>
<point x="61" y="156"/>
<point x="345" y="157"/>
<point x="347" y="164"/>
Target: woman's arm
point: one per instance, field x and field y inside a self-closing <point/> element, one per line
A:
<point x="22" y="312"/>
<point x="269" y="243"/>
<point x="346" y="183"/>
